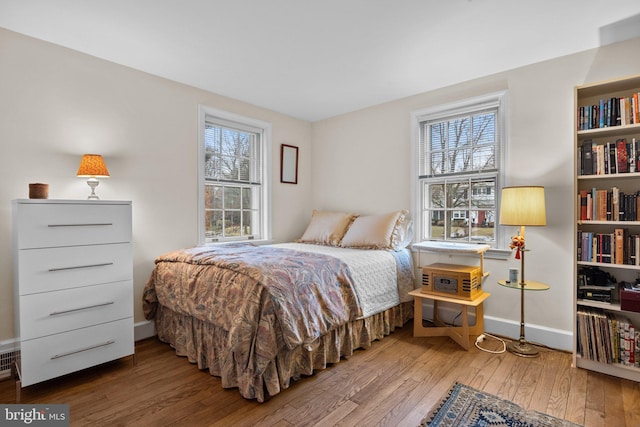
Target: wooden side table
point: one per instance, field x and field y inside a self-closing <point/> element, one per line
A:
<point x="459" y="334"/>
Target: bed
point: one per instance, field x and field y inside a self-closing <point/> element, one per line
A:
<point x="260" y="316"/>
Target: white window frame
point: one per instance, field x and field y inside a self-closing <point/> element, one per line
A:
<point x="497" y="100"/>
<point x="206" y="113"/>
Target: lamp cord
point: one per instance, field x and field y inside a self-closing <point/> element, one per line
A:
<point x="481" y="338"/>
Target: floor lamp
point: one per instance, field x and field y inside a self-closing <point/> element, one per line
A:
<point x="522" y="206"/>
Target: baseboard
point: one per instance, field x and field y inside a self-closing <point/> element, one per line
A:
<point x="143" y="330"/>
<point x="556" y="339"/>
<point x="8" y="345"/>
<point x="549" y="337"/>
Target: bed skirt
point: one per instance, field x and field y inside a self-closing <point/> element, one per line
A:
<point x="207" y="345"/>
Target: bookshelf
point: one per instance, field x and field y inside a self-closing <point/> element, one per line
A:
<point x="607" y="225"/>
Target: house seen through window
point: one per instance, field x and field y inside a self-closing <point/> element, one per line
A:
<point x="460" y="150"/>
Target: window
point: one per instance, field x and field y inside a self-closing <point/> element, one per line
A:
<point x="459" y="172"/>
<point x="233" y="166"/>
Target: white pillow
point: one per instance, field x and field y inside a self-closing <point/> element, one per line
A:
<point x="381" y="231"/>
<point x="327" y="228"/>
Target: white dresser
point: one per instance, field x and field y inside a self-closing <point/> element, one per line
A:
<point x="73" y="285"/>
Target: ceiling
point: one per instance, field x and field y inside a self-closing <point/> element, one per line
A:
<point x="313" y="59"/>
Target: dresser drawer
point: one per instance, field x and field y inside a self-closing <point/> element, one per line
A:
<point x="60" y="354"/>
<point x="50" y="313"/>
<point x="50" y="269"/>
<point x="66" y="224"/>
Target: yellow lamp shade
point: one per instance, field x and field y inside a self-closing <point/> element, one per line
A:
<point x="92" y="165"/>
<point x="523" y="206"/>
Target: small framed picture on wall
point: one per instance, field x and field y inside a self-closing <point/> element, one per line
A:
<point x="288" y="164"/>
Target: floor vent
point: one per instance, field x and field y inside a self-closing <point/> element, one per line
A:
<point x="6" y="360"/>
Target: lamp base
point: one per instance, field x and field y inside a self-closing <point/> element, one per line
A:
<point x="93" y="183"/>
<point x="522" y="349"/>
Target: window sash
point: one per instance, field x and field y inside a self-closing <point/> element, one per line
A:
<point x="232" y="154"/>
<point x="460" y="209"/>
<point x="460" y="144"/>
<point x="231" y="211"/>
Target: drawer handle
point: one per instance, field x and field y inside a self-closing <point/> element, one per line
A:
<point x="79" y="225"/>
<point x="69" y="353"/>
<point x="81" y="266"/>
<point x="71" y="310"/>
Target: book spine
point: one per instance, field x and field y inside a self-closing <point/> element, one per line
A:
<point x="613" y="156"/>
<point x="587" y="157"/>
<point x="615" y="203"/>
<point x="621" y="146"/>
<point x="619" y="254"/>
<point x="602" y="205"/>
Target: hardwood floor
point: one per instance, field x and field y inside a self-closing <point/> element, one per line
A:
<point x="394" y="383"/>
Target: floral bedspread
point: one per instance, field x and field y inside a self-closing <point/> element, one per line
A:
<point x="253" y="289"/>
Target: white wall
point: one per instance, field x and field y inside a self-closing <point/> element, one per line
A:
<point x="369" y="154"/>
<point x="57" y="104"/>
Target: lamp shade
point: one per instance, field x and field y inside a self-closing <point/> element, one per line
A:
<point x="92" y="165"/>
<point x="523" y="206"/>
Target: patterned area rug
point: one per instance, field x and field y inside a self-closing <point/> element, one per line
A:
<point x="464" y="406"/>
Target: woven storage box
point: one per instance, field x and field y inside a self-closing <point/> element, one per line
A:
<point x="38" y="191"/>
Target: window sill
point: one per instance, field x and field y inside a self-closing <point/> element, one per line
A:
<point x="491" y="253"/>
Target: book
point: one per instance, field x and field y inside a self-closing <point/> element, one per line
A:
<point x="583" y="205"/>
<point x="600" y="159"/>
<point x="636" y="153"/>
<point x="613" y="158"/>
<point x="587" y="157"/>
<point x="621" y="146"/>
<point x="601" y="205"/>
<point x="619" y="246"/>
<point x="615" y="204"/>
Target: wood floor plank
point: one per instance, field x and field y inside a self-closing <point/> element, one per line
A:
<point x="528" y="383"/>
<point x="613" y="405"/>
<point x="594" y="418"/>
<point x="393" y="383"/>
<point x="595" y="393"/>
<point x="631" y="403"/>
<point x="568" y="393"/>
<point x="576" y="403"/>
<point x="539" y="399"/>
<point x="338" y="414"/>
